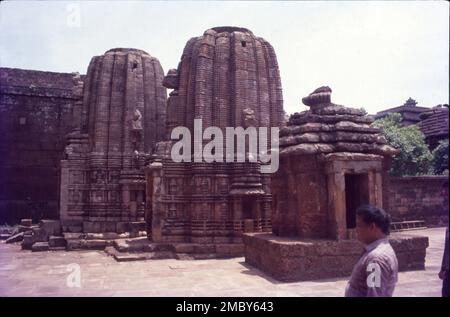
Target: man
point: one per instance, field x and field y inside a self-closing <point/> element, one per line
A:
<point x="375" y="273"/>
<point x="443" y="274"/>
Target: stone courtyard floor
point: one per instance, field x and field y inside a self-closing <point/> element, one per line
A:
<point x="26" y="273"/>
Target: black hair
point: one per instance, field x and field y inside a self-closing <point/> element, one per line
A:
<point x="371" y="214"/>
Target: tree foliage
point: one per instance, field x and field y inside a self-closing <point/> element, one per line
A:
<point x="414" y="158"/>
<point x="440" y="158"/>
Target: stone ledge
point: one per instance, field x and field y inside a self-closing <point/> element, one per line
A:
<point x="135" y="249"/>
<point x="291" y="259"/>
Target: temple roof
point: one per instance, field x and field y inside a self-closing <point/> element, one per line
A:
<point x="409" y="111"/>
<point x="126" y="50"/>
<point x="435" y="121"/>
<point x="220" y="29"/>
<point x="331" y="128"/>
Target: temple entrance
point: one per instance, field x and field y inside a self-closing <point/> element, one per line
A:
<point x="249" y="213"/>
<point x="356" y="194"/>
<point x="248" y="207"/>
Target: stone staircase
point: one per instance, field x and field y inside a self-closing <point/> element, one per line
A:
<point x="408" y="225"/>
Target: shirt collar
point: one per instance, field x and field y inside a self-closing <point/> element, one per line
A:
<point x="369" y="247"/>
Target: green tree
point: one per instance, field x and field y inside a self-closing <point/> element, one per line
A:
<point x="440" y="158"/>
<point x="414" y="157"/>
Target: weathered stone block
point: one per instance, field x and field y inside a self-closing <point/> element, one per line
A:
<point x="159" y="255"/>
<point x="15" y="238"/>
<point x="122" y="227"/>
<point x="40" y="246"/>
<point x="92" y="227"/>
<point x="24" y="228"/>
<point x="56" y="241"/>
<point x="28" y="241"/>
<point x="51" y="227"/>
<point x="74" y="244"/>
<point x="204" y="248"/>
<point x="184" y="248"/>
<point x="73" y="229"/>
<point x="232" y="250"/>
<point x="26" y="222"/>
<point x="94" y="244"/>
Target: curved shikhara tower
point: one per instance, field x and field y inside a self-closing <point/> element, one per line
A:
<point x="119" y="118"/>
<point x="227" y="77"/>
<point x="122" y="95"/>
<point x="220" y="74"/>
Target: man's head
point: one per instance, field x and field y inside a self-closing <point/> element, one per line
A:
<point x="372" y="223"/>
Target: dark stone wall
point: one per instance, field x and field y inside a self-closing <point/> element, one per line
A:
<point x="299" y="198"/>
<point x="418" y="198"/>
<point x="35" y="116"/>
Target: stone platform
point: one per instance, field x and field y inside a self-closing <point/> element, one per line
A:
<point x="122" y="247"/>
<point x="293" y="259"/>
<point x="143" y="249"/>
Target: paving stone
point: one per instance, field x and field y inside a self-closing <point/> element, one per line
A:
<point x="45" y="274"/>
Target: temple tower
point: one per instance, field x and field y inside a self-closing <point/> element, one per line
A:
<point x="119" y="118"/>
<point x="228" y="77"/>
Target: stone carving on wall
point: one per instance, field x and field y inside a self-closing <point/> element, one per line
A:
<point x="204" y="185"/>
<point x="172" y="211"/>
<point x="223" y="186"/>
<point x="173" y="187"/>
<point x="136" y="129"/>
<point x="136" y="157"/>
<point x="249" y="118"/>
<point x="136" y="124"/>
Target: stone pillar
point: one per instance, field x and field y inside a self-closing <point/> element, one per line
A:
<point x="336" y="205"/>
<point x="237" y="213"/>
<point x="375" y="188"/>
<point x="372" y="188"/>
<point x="257" y="216"/>
<point x="378" y="190"/>
<point x="156" y="190"/>
<point x="64" y="191"/>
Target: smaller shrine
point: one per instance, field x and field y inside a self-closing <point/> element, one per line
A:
<point x="331" y="161"/>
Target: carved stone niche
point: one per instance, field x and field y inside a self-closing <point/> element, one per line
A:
<point x="173" y="186"/>
<point x="352" y="180"/>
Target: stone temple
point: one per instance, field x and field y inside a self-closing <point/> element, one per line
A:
<point x="118" y="119"/>
<point x="227" y="77"/>
<point x="119" y="190"/>
<point x="331" y="162"/>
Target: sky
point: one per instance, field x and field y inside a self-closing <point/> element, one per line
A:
<point x="372" y="54"/>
